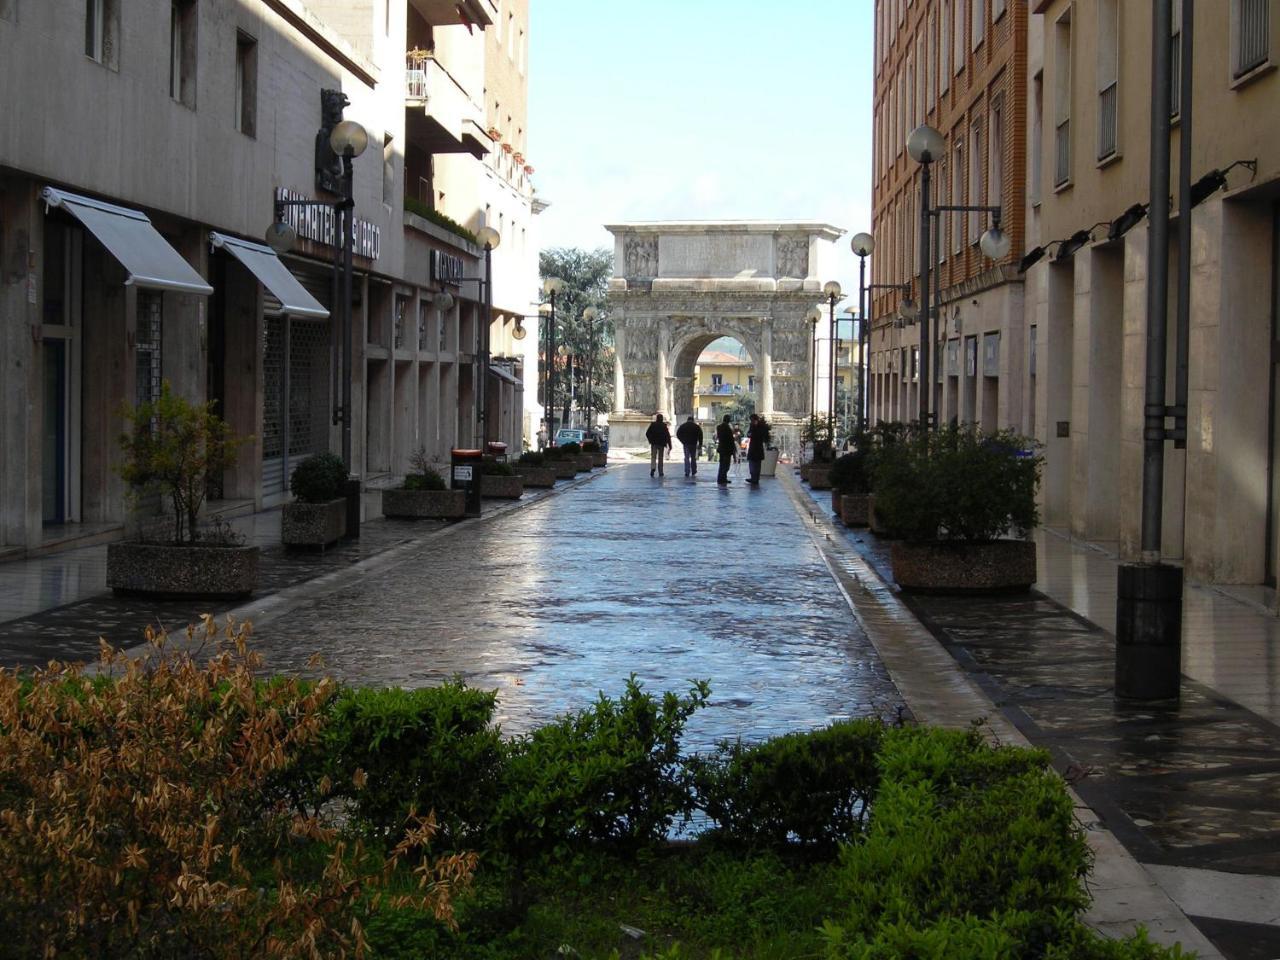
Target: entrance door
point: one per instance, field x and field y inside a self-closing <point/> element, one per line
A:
<point x="55" y="434"/>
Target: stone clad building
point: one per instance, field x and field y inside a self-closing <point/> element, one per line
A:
<point x="677" y="286"/>
<point x="142" y="150"/>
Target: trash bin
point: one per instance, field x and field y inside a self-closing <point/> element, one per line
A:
<point x="770" y="466"/>
<point x="465" y="469"/>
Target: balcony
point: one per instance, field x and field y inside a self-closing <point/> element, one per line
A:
<point x="447" y="13"/>
<point x="440" y="116"/>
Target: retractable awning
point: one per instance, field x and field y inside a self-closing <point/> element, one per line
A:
<point x="131" y="239"/>
<point x="273" y="274"/>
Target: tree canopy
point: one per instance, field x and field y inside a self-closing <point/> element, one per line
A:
<point x="586" y="281"/>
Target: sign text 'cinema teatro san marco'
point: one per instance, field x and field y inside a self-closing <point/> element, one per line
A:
<point x="319" y="222"/>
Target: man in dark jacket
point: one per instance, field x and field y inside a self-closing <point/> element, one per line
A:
<point x="725" y="446"/>
<point x="659" y="437"/>
<point x="757" y="440"/>
<point x="690" y="436"/>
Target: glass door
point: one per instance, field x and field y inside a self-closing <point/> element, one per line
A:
<point x="54" y="435"/>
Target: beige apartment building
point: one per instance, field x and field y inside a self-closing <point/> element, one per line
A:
<point x="1090" y="97"/>
<point x="143" y="150"/>
<point x="959" y="66"/>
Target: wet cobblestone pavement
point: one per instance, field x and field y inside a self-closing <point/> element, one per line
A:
<point x="668" y="579"/>
<point x="1192" y="785"/>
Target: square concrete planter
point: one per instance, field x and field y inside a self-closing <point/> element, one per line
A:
<point x="854" y="509"/>
<point x="804" y="470"/>
<point x="536" y="476"/>
<point x="173" y="570"/>
<point x="424" y="504"/>
<point x="501" y="488"/>
<point x="586" y="462"/>
<point x="599" y="459"/>
<point x="564" y="469"/>
<point x="819" y="476"/>
<point x="313" y="524"/>
<point x="960" y="567"/>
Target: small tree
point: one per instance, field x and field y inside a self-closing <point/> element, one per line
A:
<point x="172" y="448"/>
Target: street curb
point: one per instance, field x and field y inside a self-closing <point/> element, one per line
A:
<point x="273" y="606"/>
<point x="940" y="692"/>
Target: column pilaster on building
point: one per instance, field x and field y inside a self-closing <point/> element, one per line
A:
<point x="766" y="366"/>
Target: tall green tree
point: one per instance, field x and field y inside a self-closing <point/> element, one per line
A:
<point x="586" y="278"/>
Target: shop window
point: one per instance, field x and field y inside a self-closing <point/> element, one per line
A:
<point x="246" y="84"/>
<point x="147" y="368"/>
<point x="182" y="52"/>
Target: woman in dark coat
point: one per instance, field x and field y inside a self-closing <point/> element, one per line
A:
<point x="757" y="440"/>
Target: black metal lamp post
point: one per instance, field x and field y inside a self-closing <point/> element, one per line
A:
<point x="831" y="290"/>
<point x="863" y="245"/>
<point x="590" y="315"/>
<point x="926" y="145"/>
<point x="489" y="239"/>
<point x="815" y="314"/>
<point x="551" y="287"/>
<point x="348" y="140"/>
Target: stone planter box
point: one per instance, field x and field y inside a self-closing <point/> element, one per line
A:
<point x="313" y="524"/>
<point x="873" y="521"/>
<point x="536" y="476"/>
<point x="819" y="476"/>
<point x="424" y="504"/>
<point x="501" y="488"/>
<point x="564" y="469"/>
<point x="804" y="471"/>
<point x="855" y="509"/>
<point x="586" y="462"/>
<point x="170" y="570"/>
<point x="959" y="567"/>
<point x="599" y="459"/>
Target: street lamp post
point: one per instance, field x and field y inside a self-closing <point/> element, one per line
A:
<point x="815" y="315"/>
<point x="590" y="315"/>
<point x="831" y="290"/>
<point x="348" y="140"/>
<point x="489" y="239"/>
<point x="925" y="145"/>
<point x="863" y="245"/>
<point x="551" y="287"/>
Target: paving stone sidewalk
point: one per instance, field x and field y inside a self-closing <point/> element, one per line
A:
<point x="1191" y="789"/>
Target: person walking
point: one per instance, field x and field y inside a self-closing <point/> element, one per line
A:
<point x="757" y="440"/>
<point x="659" y="437"/>
<point x="690" y="436"/>
<point x="727" y="446"/>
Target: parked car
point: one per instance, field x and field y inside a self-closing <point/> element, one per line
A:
<point x="570" y="435"/>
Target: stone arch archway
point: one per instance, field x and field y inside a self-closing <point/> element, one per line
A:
<point x="678" y="286"/>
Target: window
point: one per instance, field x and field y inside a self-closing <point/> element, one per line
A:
<point x="388" y="171"/>
<point x="6" y="9"/>
<point x="717" y="380"/>
<point x="1037" y="136"/>
<point x="931" y="63"/>
<point x="1062" y="99"/>
<point x="246" y="84"/>
<point x="1175" y="60"/>
<point x="386" y="18"/>
<point x="182" y="52"/>
<point x="995" y="177"/>
<point x="997" y="9"/>
<point x="520" y="53"/>
<point x="511" y="36"/>
<point x="1108" y="75"/>
<point x="957" y="196"/>
<point x="944" y="48"/>
<point x="921" y="87"/>
<point x="101" y="28"/>
<point x="978" y="32"/>
<point x="909" y="100"/>
<point x="1250" y="35"/>
<point x="957" y="36"/>
<point x="975" y="180"/>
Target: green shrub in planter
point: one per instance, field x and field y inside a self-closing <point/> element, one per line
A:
<point x="431" y="749"/>
<point x="813" y="787"/>
<point x="571" y="449"/>
<point x="498" y="468"/>
<point x="610" y="773"/>
<point x="849" y="474"/>
<point x="319" y="478"/>
<point x="957" y="484"/>
<point x="532" y="458"/>
<point x="430" y="480"/>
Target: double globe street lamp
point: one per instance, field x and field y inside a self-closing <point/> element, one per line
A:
<point x="551" y="288"/>
<point x="926" y="145"/>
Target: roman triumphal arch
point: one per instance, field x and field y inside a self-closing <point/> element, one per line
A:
<point x="679" y="285"/>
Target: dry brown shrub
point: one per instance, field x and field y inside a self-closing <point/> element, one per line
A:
<point x="134" y="823"/>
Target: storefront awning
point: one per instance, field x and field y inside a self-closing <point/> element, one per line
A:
<point x="131" y="239"/>
<point x="273" y="274"/>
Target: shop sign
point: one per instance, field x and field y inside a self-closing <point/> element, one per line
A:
<point x="446" y="268"/>
<point x="318" y="222"/>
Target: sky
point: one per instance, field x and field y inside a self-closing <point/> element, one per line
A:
<point x="700" y="110"/>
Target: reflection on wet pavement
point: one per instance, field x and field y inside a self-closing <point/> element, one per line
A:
<point x="668" y="579"/>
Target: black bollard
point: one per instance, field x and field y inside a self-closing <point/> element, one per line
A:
<point x="1148" y="631"/>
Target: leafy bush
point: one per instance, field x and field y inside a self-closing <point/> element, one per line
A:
<point x="849" y="473"/>
<point x="174" y="448"/>
<point x="425" y="481"/>
<point x="319" y="478"/>
<point x="570" y="449"/>
<point x="957" y="484"/>
<point x="498" y="468"/>
<point x="532" y="458"/>
<point x="817" y="431"/>
<point x="432" y="749"/>
<point x="812" y="787"/>
<point x="134" y="820"/>
<point x="416" y="206"/>
<point x="609" y="773"/>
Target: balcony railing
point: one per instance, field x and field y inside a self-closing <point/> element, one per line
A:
<point x="1107" y="102"/>
<point x="1062" y="169"/>
<point x="415" y="73"/>
<point x="1252" y="35"/>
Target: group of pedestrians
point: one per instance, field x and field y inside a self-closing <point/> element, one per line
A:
<point x="690" y="436"/>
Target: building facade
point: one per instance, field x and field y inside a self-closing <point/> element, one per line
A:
<point x="1091" y="104"/>
<point x="134" y="193"/>
<point x="959" y="66"/>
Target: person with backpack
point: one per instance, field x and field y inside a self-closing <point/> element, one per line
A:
<point x="690" y="436"/>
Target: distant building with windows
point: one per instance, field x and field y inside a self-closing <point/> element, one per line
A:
<point x="144" y="146"/>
